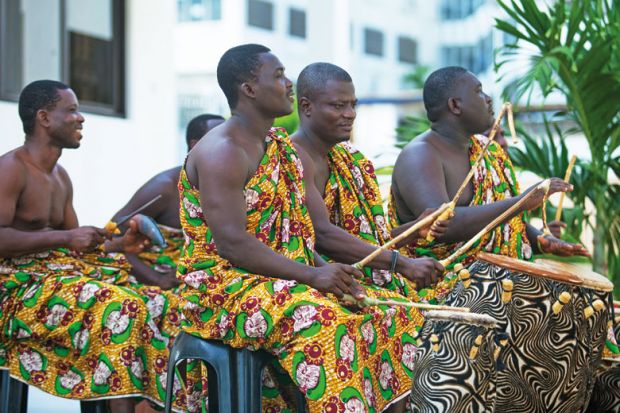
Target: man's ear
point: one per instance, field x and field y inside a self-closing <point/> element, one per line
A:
<point x="192" y="143"/>
<point x="305" y="106"/>
<point x="43" y="118"/>
<point x="454" y="106"/>
<point x="248" y="90"/>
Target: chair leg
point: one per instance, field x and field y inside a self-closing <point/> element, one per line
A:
<point x="5" y="386"/>
<point x="172" y="361"/>
<point x="93" y="406"/>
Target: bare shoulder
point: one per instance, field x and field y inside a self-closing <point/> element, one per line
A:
<point x="13" y="168"/>
<point x="420" y="152"/>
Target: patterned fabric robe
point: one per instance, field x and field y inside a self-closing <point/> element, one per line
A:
<point x="342" y="359"/>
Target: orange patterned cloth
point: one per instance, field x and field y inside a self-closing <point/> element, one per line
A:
<point x="74" y="326"/>
<point x="165" y="259"/>
<point x="342" y="359"/>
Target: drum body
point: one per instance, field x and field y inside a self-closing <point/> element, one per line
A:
<point x="454" y="366"/>
<point x="606" y="392"/>
<point x="549" y="360"/>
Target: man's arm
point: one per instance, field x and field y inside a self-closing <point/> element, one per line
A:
<point x="421" y="182"/>
<point x="155" y="186"/>
<point x="341" y="246"/>
<point x="225" y="212"/>
<point x="14" y="242"/>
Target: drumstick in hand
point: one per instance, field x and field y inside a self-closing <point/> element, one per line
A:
<point x="543" y="186"/>
<point x="420" y="224"/>
<point x="569" y="170"/>
<point x="506" y="107"/>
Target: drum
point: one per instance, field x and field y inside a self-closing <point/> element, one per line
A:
<point x="454" y="365"/>
<point x="555" y="317"/>
<point x="606" y="392"/>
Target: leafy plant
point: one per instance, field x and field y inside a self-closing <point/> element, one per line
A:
<point x="574" y="49"/>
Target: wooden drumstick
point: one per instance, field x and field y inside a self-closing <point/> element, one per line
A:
<point x="544" y="186"/>
<point x="505" y="106"/>
<point x="420" y="224"/>
<point x="371" y="301"/>
<point x="569" y="170"/>
<point x="511" y="122"/>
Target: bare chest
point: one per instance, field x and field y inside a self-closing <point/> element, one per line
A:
<point x="456" y="167"/>
<point x="42" y="202"/>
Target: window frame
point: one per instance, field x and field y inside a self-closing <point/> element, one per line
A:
<point x="118" y="106"/>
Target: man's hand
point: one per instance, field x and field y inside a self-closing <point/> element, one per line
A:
<point x="422" y="271"/>
<point x="133" y="241"/>
<point x="338" y="279"/>
<point x="166" y="280"/>
<point x="551" y="245"/>
<point x="437" y="228"/>
<point x="556" y="228"/>
<point x="87" y="238"/>
<point x="536" y="200"/>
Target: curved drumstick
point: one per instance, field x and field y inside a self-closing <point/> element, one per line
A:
<point x="420" y="224"/>
<point x="569" y="170"/>
<point x="370" y="301"/>
<point x="506" y="108"/>
<point x="544" y="186"/>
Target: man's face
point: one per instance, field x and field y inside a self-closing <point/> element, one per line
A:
<point x="65" y="121"/>
<point x="273" y="90"/>
<point x="332" y="111"/>
<point x="476" y="106"/>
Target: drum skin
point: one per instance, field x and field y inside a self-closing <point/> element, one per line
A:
<point x="447" y="380"/>
<point x="550" y="360"/>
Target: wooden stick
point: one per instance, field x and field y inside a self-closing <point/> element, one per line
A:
<point x="544" y="186"/>
<point x="371" y="301"/>
<point x="569" y="170"/>
<point x="511" y="122"/>
<point x="420" y="224"/>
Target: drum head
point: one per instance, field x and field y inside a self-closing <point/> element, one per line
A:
<point x="557" y="271"/>
<point x="460" y="317"/>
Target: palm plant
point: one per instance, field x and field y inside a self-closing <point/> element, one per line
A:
<point x="574" y="49"/>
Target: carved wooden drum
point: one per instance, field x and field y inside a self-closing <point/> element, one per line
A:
<point x="606" y="393"/>
<point x="555" y="318"/>
<point x="454" y="366"/>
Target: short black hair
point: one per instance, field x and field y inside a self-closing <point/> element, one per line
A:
<point x="438" y="89"/>
<point x="198" y="126"/>
<point x="315" y="76"/>
<point x="40" y="94"/>
<point x="238" y="65"/>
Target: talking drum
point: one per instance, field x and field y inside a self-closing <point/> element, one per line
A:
<point x="454" y="366"/>
<point x="606" y="393"/>
<point x="555" y="317"/>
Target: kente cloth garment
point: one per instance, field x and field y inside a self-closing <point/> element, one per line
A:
<point x="494" y="180"/>
<point x="342" y="359"/>
<point x="165" y="259"/>
<point x="74" y="326"/>
<point x="354" y="203"/>
<point x="611" y="349"/>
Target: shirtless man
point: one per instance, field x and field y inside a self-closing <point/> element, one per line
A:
<point x="327" y="102"/>
<point x="63" y="316"/>
<point x="430" y="169"/>
<point x="156" y="266"/>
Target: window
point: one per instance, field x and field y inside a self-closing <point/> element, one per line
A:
<point x="297" y="23"/>
<point x="260" y="14"/>
<point x="407" y="50"/>
<point x="373" y="42"/>
<point x="459" y="9"/>
<point x="79" y="42"/>
<point x="477" y="57"/>
<point x="198" y="10"/>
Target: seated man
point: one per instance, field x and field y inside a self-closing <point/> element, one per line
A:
<point x="157" y="266"/>
<point x="251" y="277"/>
<point x="341" y="188"/>
<point x="70" y="322"/>
<point x="431" y="168"/>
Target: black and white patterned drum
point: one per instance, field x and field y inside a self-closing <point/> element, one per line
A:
<point x="606" y="392"/>
<point x="454" y="366"/>
<point x="555" y="318"/>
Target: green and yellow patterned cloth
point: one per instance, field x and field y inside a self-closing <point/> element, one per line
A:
<point x="494" y="180"/>
<point x="74" y="326"/>
<point x="342" y="359"/>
